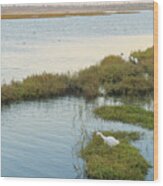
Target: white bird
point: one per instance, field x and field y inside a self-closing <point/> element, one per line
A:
<point x="110" y="140"/>
<point x="134" y="60"/>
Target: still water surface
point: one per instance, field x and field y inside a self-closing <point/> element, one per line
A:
<point x="43" y="139"/>
<point x="31" y="46"/>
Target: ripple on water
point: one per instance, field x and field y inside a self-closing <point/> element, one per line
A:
<point x="43" y="139"/>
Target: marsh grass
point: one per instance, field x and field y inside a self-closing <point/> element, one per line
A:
<point x="113" y="74"/>
<point x="127" y="114"/>
<point x="35" y="87"/>
<point x="143" y="55"/>
<point x="122" y="162"/>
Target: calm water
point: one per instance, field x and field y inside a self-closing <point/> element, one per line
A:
<point x="68" y="44"/>
<point x="43" y="139"/>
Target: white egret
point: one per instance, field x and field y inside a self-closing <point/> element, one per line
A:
<point x="134" y="60"/>
<point x="110" y="140"/>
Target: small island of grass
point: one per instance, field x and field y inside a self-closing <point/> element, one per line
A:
<point x="127" y="114"/>
<point x="122" y="162"/>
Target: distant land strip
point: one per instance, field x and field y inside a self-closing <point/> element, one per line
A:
<point x="53" y="15"/>
<point x="49" y="15"/>
<point x="22" y="11"/>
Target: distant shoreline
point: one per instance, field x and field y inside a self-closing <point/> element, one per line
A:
<point x="68" y="9"/>
<point x="57" y="15"/>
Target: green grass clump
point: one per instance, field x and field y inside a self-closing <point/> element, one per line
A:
<point x="35" y="87"/>
<point x="113" y="74"/>
<point x="127" y="114"/>
<point x="143" y="55"/>
<point x="122" y="162"/>
<point x="146" y="59"/>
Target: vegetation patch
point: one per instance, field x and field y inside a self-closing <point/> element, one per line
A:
<point x="35" y="87"/>
<point x="122" y="162"/>
<point x="113" y="74"/>
<point x="127" y="114"/>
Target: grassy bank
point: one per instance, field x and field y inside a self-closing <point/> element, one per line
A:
<point x="115" y="76"/>
<point x="122" y="162"/>
<point x="127" y="114"/>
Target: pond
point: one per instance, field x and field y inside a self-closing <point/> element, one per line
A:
<point x="43" y="139"/>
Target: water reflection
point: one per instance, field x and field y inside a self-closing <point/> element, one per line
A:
<point x="45" y="138"/>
